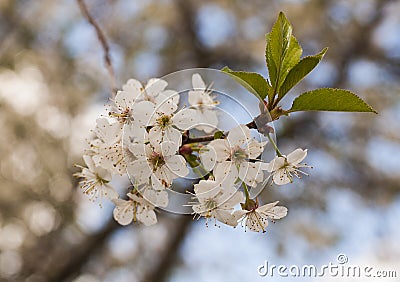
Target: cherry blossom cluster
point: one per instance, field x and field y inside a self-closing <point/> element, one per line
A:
<point x="148" y="135"/>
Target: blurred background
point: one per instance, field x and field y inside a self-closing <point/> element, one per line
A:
<point x="53" y="84"/>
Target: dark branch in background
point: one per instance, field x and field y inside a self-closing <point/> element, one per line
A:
<point x="169" y="255"/>
<point x="361" y="43"/>
<point x="104" y="44"/>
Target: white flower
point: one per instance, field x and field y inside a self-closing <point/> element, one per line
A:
<point x="200" y="99"/>
<point x="283" y="168"/>
<point x="166" y="124"/>
<point x="216" y="200"/>
<point x="159" y="162"/>
<point x="107" y="147"/>
<point x="136" y="208"/>
<point x="233" y="154"/>
<point x="133" y="92"/>
<point x="257" y="218"/>
<point x="95" y="181"/>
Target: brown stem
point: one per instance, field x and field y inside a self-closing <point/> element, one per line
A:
<point x="104" y="44"/>
<point x="208" y="138"/>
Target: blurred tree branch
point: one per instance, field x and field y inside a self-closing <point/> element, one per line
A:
<point x="103" y="42"/>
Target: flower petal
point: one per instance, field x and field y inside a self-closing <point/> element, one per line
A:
<point x="154" y="86"/>
<point x="169" y="148"/>
<point x="156" y="198"/>
<point x="173" y="135"/>
<point x="221" y="148"/>
<point x="238" y="136"/>
<point x="281" y="177"/>
<point x="123" y="211"/>
<point x="251" y="173"/>
<point x="198" y="82"/>
<point x="147" y="217"/>
<point x="208" y="157"/>
<point x="296" y="156"/>
<point x="255" y="149"/>
<point x="185" y="119"/>
<point x="225" y="217"/>
<point x="177" y="165"/>
<point x="140" y="170"/>
<point x="145" y="113"/>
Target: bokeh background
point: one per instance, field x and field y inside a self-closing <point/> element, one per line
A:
<point x="53" y="84"/>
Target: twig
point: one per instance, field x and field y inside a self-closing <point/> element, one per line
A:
<point x="104" y="44"/>
<point x="208" y="138"/>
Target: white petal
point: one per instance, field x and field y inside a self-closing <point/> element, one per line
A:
<point x="208" y="121"/>
<point x="239" y="214"/>
<point x="173" y="134"/>
<point x="266" y="207"/>
<point x="131" y="91"/>
<point x="133" y="132"/>
<point x="177" y="165"/>
<point x="207" y="189"/>
<point x="145" y="113"/>
<point x="165" y="105"/>
<point x="221" y="148"/>
<point x="276" y="212"/>
<point x="185" y="119"/>
<point x="109" y="192"/>
<point x="123" y="211"/>
<point x="226" y="172"/>
<point x="296" y="156"/>
<point x="89" y="162"/>
<point x="251" y="173"/>
<point x="194" y="97"/>
<point x="147" y="217"/>
<point x="281" y="177"/>
<point x="208" y="157"/>
<point x="157" y="183"/>
<point x="225" y="217"/>
<point x="238" y="136"/>
<point x="139" y="150"/>
<point x="256" y="222"/>
<point x="140" y="170"/>
<point x="255" y="148"/>
<point x="231" y="201"/>
<point x="198" y="82"/>
<point x="156" y="198"/>
<point x="172" y="94"/>
<point x="276" y="163"/>
<point x="155" y="86"/>
<point x="155" y="136"/>
<point x="162" y="178"/>
<point x="169" y="148"/>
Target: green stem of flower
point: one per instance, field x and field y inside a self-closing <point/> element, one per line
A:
<point x="246" y="192"/>
<point x="275" y="147"/>
<point x="196" y="166"/>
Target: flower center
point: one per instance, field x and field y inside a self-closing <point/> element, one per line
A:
<point x="164" y="121"/>
<point x="238" y="155"/>
<point x="157" y="160"/>
<point x="210" y="204"/>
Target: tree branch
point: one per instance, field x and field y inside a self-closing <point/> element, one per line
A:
<point x="104" y="44"/>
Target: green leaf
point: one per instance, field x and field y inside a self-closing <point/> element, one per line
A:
<point x="299" y="71"/>
<point x="218" y="135"/>
<point x="283" y="51"/>
<point x="272" y="68"/>
<point x="252" y="81"/>
<point x="330" y="99"/>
